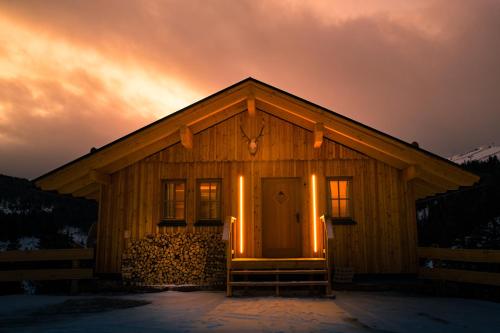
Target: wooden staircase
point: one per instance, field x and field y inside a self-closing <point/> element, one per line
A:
<point x="275" y="272"/>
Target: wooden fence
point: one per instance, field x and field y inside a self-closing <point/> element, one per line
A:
<point x="470" y="256"/>
<point x="44" y="259"/>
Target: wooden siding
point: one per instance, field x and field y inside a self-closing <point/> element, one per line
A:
<point x="382" y="241"/>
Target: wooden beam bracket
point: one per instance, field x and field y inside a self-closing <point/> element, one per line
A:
<point x="319" y="130"/>
<point x="251" y="105"/>
<point x="186" y="137"/>
<point x="411" y="172"/>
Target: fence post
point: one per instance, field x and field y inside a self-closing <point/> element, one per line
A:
<point x="74" y="283"/>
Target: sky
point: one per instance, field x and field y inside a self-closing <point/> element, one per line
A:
<point x="79" y="74"/>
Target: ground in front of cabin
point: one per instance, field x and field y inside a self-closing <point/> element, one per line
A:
<point x="213" y="312"/>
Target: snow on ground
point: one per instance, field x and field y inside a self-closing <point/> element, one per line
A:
<point x="478" y="154"/>
<point x="213" y="312"/>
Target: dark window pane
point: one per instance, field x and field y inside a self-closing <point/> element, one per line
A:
<point x="213" y="191"/>
<point x="174" y="200"/>
<point x="179" y="210"/>
<point x="204" y="210"/>
<point x="179" y="192"/>
<point x="209" y="200"/>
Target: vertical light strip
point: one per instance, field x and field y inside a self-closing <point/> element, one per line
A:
<point x="241" y="214"/>
<point x="313" y="181"/>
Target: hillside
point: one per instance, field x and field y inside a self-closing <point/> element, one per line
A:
<point x="31" y="218"/>
<point x="468" y="217"/>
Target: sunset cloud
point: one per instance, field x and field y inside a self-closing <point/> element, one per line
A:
<point x="79" y="74"/>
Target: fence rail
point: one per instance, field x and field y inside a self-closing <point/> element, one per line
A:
<point x="73" y="256"/>
<point x="460" y="255"/>
<point x="47" y="255"/>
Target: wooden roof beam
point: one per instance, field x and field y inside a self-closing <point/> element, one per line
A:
<point x="308" y="124"/>
<point x="411" y="172"/>
<point x="424" y="188"/>
<point x="417" y="172"/>
<point x="318" y="132"/>
<point x="186" y="137"/>
<point x="362" y="135"/>
<point x="87" y="191"/>
<point x="75" y="185"/>
<point x="172" y="139"/>
<point x="99" y="177"/>
<point x="93" y="196"/>
<point x="145" y="137"/>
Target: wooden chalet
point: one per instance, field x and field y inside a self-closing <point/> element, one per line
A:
<point x="292" y="187"/>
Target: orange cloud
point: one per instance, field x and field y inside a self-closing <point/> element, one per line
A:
<point x="423" y="71"/>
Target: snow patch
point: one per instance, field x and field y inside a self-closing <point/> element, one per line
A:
<point x="76" y="234"/>
<point x="423" y="214"/>
<point x="47" y="209"/>
<point x="29" y="243"/>
<point x="479" y="154"/>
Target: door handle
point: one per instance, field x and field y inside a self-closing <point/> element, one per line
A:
<point x="297" y="217"/>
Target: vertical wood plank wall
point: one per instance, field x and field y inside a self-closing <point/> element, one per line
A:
<point x="383" y="240"/>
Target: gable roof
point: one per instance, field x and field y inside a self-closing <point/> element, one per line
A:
<point x="429" y="172"/>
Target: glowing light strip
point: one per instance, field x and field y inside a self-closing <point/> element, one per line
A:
<point x="241" y="214"/>
<point x="314" y="213"/>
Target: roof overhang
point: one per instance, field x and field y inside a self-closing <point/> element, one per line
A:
<point x="82" y="177"/>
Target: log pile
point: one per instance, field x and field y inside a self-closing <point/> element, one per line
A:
<point x="178" y="258"/>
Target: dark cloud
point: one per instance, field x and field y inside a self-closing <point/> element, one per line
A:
<point x="430" y="75"/>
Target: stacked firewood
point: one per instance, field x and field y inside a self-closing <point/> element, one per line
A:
<point x="179" y="258"/>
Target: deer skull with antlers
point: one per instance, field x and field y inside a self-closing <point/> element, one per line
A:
<point x="252" y="143"/>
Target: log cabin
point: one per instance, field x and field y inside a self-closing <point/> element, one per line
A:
<point x="289" y="186"/>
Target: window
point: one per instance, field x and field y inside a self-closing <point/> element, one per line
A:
<point x="340" y="198"/>
<point x="209" y="200"/>
<point x="174" y="201"/>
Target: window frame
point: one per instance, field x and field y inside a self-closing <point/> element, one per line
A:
<point x="164" y="220"/>
<point x="340" y="220"/>
<point x="208" y="221"/>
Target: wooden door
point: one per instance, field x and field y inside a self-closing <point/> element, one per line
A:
<point x="281" y="218"/>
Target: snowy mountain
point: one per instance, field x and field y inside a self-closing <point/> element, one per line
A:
<point x="479" y="154"/>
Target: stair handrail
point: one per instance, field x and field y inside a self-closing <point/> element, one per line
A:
<point x="327" y="238"/>
<point x="227" y="236"/>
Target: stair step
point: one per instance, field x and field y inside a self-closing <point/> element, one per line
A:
<point x="276" y="283"/>
<point x="277" y="263"/>
<point x="278" y="272"/>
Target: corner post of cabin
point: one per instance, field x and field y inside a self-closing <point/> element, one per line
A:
<point x="104" y="181"/>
